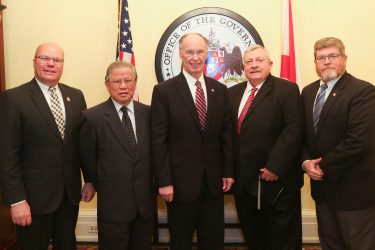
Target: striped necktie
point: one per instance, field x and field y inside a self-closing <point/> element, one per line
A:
<point x="200" y="104"/>
<point x="57" y="111"/>
<point x="318" y="106"/>
<point x="245" y="108"/>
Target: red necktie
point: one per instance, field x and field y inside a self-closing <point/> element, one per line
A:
<point x="200" y="103"/>
<point x="245" y="108"/>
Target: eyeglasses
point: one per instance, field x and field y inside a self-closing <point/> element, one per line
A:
<point x="191" y="53"/>
<point x="47" y="59"/>
<point x="331" y="58"/>
<point x="120" y="81"/>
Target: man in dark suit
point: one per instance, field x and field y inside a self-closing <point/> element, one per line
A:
<point x="339" y="150"/>
<point x="192" y="149"/>
<point x="267" y="136"/>
<point x="39" y="162"/>
<point x="115" y="148"/>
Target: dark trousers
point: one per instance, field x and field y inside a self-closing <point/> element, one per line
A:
<point x="205" y="215"/>
<point x="58" y="227"/>
<point x="277" y="227"/>
<point x="345" y="230"/>
<point x="132" y="235"/>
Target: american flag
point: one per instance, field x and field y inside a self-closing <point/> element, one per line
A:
<point x="124" y="37"/>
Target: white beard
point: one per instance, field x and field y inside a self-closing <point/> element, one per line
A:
<point x="329" y="75"/>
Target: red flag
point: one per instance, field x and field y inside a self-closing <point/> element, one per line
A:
<point x="124" y="36"/>
<point x="288" y="58"/>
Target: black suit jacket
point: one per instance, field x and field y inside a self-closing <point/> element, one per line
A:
<point x="180" y="150"/>
<point x="36" y="164"/>
<point x="124" y="184"/>
<point x="271" y="135"/>
<point x="345" y="140"/>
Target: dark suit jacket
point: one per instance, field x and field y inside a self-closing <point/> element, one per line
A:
<point x="271" y="135"/>
<point x="180" y="150"/>
<point x="345" y="140"/>
<point x="36" y="164"/>
<point x="124" y="185"/>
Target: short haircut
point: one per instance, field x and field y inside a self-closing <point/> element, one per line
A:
<point x="120" y="64"/>
<point x="329" y="42"/>
<point x="255" y="47"/>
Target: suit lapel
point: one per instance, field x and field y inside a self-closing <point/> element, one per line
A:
<point x="140" y="124"/>
<point x="262" y="93"/>
<point x="309" y="106"/>
<point x="40" y="101"/>
<point x="184" y="91"/>
<point x="114" y="123"/>
<point x="335" y="93"/>
<point x="237" y="99"/>
<point x="211" y="100"/>
<point x="68" y="109"/>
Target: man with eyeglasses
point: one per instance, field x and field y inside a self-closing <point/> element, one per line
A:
<point x="115" y="149"/>
<point x="39" y="161"/>
<point x="192" y="149"/>
<point x="339" y="150"/>
<point x="267" y="133"/>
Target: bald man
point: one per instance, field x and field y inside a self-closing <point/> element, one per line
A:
<point x="39" y="163"/>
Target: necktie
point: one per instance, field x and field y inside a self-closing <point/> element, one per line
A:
<point x="245" y="108"/>
<point x="200" y="103"/>
<point x="129" y="131"/>
<point x="57" y="111"/>
<point x="318" y="106"/>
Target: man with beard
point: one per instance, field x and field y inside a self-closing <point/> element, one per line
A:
<point x="339" y="150"/>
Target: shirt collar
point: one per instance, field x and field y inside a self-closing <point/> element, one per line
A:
<point x="44" y="87"/>
<point x="118" y="106"/>
<point x="331" y="83"/>
<point x="191" y="80"/>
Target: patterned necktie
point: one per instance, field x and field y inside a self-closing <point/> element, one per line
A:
<point x="245" y="108"/>
<point x="318" y="106"/>
<point x="200" y="103"/>
<point x="57" y="111"/>
<point x="129" y="131"/>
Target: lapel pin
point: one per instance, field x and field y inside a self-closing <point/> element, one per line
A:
<point x="212" y="90"/>
<point x="334" y="94"/>
<point x="68" y="99"/>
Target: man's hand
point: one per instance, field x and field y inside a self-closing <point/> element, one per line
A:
<point x="21" y="214"/>
<point x="88" y="192"/>
<point x="227" y="184"/>
<point x="166" y="193"/>
<point x="313" y="169"/>
<point x="268" y="175"/>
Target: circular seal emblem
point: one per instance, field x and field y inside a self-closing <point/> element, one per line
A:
<point x="228" y="33"/>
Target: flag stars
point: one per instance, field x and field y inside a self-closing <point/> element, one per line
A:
<point x="126" y="20"/>
<point x="123" y="45"/>
<point x="125" y="33"/>
<point x="129" y="41"/>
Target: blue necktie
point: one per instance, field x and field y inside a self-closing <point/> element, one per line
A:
<point x="318" y="106"/>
